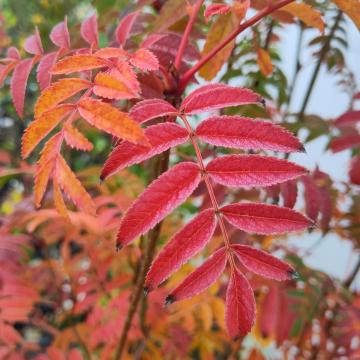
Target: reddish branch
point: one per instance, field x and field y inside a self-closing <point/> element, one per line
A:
<point x="257" y="17"/>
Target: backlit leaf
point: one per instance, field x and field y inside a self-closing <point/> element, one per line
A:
<point x="350" y="118"/>
<point x="264" y="218"/>
<point x="252" y="170"/>
<point x="161" y="197"/>
<point x="344" y="142"/>
<point x="219" y="30"/>
<point x="181" y="247"/>
<point x="289" y="193"/>
<point x="264" y="61"/>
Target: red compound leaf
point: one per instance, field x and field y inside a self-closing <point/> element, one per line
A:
<point x="89" y="31"/>
<point x="60" y="35"/>
<point x="312" y="197"/>
<point x="123" y="30"/>
<point x="33" y="44"/>
<point x="289" y="193"/>
<point x="145" y="60"/>
<point x="46" y="63"/>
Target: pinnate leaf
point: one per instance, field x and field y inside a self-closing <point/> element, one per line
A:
<point x="263" y="264"/>
<point x="312" y="197"/>
<point x="264" y="218"/>
<point x="252" y="170"/>
<point x="245" y="133"/>
<point x="161" y="137"/>
<point x="76" y="139"/>
<point x="240" y="305"/>
<point x="123" y="30"/>
<point x="264" y="62"/>
<point x="60" y="35"/>
<point x="181" y="247"/>
<point x="150" y="109"/>
<point x="218" y="96"/>
<point x="89" y="31"/>
<point x="108" y="118"/>
<point x="200" y="279"/>
<point x="18" y="83"/>
<point x="145" y="60"/>
<point x="110" y="86"/>
<point x="72" y="187"/>
<point x="45" y="166"/>
<point x="344" y="142"/>
<point x="350" y="118"/>
<point x="58" y="92"/>
<point x="158" y="200"/>
<point x="41" y="127"/>
<point x="78" y="63"/>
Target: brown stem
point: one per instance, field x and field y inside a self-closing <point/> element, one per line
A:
<point x="186" y="35"/>
<point x="257" y="17"/>
<point x="160" y="167"/>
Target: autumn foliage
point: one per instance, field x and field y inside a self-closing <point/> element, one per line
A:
<point x="174" y="244"/>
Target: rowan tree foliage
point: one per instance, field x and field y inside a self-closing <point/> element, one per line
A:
<point x="159" y="140"/>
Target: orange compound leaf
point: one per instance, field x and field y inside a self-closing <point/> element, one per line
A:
<point x="240" y="305"/>
<point x="112" y="87"/>
<point x="78" y="63"/>
<point x="59" y="201"/>
<point x="161" y="197"/>
<point x="181" y="247"/>
<point x="111" y="52"/>
<point x="264" y="264"/>
<point x="200" y="279"/>
<point x="58" y="92"/>
<point x="108" y="118"/>
<point x="265" y="219"/>
<point x="41" y="127"/>
<point x="161" y="138"/>
<point x="73" y="188"/>
<point x="76" y="139"/>
<point x="45" y="166"/>
<point x="145" y="60"/>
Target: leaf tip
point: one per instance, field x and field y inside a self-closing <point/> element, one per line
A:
<point x="262" y="102"/>
<point x="118" y="247"/>
<point x="294" y="275"/>
<point x="302" y="149"/>
<point x="169" y="300"/>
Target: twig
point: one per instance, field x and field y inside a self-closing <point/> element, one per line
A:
<point x="264" y="12"/>
<point x="185" y="37"/>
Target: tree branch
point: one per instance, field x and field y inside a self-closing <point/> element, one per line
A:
<point x="264" y="12"/>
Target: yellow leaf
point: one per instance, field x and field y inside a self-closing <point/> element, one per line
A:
<point x="58" y="92"/>
<point x="264" y="62"/>
<point x="351" y="8"/>
<point x="41" y="127"/>
<point x="108" y="118"/>
<point x="73" y="187"/>
<point x="45" y="166"/>
<point x="306" y="14"/>
<point x="77" y="63"/>
<point x="222" y="27"/>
